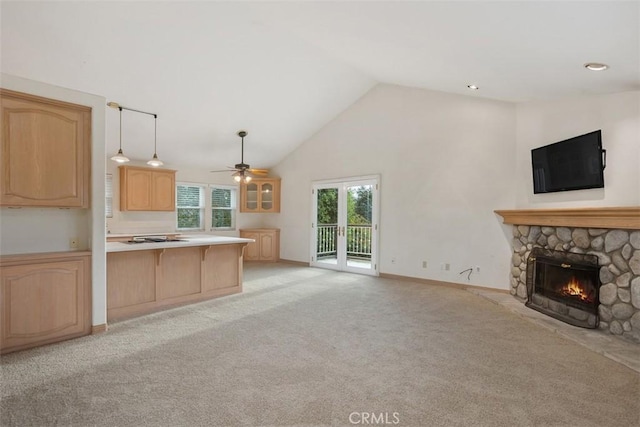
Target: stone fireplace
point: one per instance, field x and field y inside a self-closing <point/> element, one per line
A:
<point x="610" y="235"/>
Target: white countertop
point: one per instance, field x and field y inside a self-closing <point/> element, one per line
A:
<point x="159" y="233"/>
<point x="184" y="242"/>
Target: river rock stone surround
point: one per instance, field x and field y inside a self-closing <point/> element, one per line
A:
<point x="618" y="253"/>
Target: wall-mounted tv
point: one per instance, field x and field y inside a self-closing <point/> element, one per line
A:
<point x="573" y="164"/>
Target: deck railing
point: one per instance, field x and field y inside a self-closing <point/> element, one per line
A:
<point x="358" y="241"/>
<point x="327" y="240"/>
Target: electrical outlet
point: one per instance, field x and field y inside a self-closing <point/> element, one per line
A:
<point x="445" y="266"/>
<point x="393" y="260"/>
<point x="73" y="243"/>
<point x="424" y="264"/>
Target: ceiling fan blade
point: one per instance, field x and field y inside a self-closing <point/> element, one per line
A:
<point x="259" y="171"/>
<point x="229" y="169"/>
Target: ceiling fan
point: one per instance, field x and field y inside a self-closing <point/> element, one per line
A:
<point x="243" y="173"/>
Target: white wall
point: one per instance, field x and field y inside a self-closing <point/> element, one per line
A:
<point x="165" y="222"/>
<point x="542" y="123"/>
<point x="36" y="230"/>
<point x="33" y="230"/>
<point x="445" y="161"/>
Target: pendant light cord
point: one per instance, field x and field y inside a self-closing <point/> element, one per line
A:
<point x="120" y="108"/>
<point x="155" y="134"/>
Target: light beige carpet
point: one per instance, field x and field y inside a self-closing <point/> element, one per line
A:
<point x="311" y="347"/>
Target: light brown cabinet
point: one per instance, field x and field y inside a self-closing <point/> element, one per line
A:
<point x="46" y="152"/>
<point x="44" y="298"/>
<point x="145" y="189"/>
<point x="260" y="195"/>
<point x="266" y="246"/>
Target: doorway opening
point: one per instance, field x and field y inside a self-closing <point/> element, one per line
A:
<point x="344" y="225"/>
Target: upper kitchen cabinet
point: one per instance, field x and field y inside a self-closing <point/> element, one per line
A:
<point x="46" y="152"/>
<point x="145" y="189"/>
<point x="260" y="195"/>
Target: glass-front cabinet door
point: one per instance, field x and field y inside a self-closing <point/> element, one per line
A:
<point x="251" y="202"/>
<point x="266" y="196"/>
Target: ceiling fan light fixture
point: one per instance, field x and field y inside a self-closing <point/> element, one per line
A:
<point x="242" y="176"/>
<point x="243" y="171"/>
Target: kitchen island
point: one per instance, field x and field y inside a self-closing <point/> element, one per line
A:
<point x="149" y="276"/>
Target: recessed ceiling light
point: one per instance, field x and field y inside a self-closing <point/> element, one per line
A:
<point x="595" y="66"/>
<point x="473" y="87"/>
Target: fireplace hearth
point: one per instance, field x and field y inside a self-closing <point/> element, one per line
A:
<point x="564" y="285"/>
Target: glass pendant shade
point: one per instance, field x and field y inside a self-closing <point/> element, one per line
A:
<point x="120" y="157"/>
<point x="155" y="161"/>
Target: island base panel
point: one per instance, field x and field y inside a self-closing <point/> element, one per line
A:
<point x="141" y="282"/>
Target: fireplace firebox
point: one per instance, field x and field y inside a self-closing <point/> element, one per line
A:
<point x="564" y="285"/>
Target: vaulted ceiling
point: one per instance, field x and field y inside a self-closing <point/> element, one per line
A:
<point x="282" y="70"/>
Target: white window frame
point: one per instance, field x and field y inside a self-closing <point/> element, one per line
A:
<point x="233" y="208"/>
<point x="207" y="209"/>
<point x="202" y="206"/>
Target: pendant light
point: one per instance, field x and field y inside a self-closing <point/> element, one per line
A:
<point x="155" y="161"/>
<point x="120" y="157"/>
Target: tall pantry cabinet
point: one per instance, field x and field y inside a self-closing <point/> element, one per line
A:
<point x="46" y="163"/>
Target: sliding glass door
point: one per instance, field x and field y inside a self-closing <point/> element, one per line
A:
<point x="345" y="225"/>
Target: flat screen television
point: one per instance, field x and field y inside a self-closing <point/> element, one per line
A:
<point x="573" y="164"/>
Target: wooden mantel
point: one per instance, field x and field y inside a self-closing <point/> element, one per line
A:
<point x="620" y="217"/>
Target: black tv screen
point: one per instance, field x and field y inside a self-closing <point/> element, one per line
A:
<point x="573" y="164"/>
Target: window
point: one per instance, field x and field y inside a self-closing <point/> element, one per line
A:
<point x="223" y="207"/>
<point x="190" y="207"/>
<point x="109" y="196"/>
<point x="203" y="207"/>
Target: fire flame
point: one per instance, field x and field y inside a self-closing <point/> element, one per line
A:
<point x="574" y="288"/>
